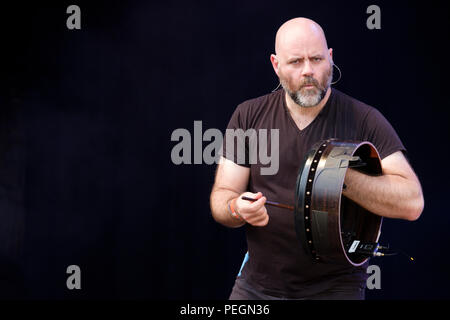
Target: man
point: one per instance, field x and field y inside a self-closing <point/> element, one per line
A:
<point x="307" y="110"/>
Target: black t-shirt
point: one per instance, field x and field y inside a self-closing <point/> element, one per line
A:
<point x="277" y="265"/>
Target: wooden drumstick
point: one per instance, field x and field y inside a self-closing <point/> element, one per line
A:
<point x="271" y="203"/>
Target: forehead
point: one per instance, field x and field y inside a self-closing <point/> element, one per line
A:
<point x="297" y="43"/>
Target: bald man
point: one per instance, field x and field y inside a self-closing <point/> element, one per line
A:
<point x="306" y="110"/>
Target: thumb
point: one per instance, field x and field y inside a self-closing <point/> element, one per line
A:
<point x="257" y="195"/>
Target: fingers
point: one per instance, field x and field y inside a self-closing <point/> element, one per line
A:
<point x="256" y="205"/>
<point x="260" y="219"/>
<point x="253" y="212"/>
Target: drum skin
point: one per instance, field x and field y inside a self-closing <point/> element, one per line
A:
<point x="327" y="222"/>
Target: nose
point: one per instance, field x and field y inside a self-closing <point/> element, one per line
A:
<point x="307" y="69"/>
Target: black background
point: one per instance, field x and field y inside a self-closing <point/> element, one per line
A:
<point x="86" y="117"/>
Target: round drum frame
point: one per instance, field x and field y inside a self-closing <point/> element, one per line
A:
<point x="326" y="222"/>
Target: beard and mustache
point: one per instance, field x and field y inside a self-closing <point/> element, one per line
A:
<point x="309" y="97"/>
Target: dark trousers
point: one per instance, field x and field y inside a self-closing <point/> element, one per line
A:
<point x="242" y="290"/>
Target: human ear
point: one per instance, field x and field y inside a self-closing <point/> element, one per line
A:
<point x="330" y="52"/>
<point x="274" y="61"/>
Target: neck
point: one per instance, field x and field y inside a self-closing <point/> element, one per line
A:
<point x="306" y="111"/>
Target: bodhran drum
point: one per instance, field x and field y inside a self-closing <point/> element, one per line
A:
<point x="326" y="222"/>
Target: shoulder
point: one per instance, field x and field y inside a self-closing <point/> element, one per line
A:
<point x="373" y="126"/>
<point x="261" y="102"/>
<point x="348" y="102"/>
<point x="253" y="110"/>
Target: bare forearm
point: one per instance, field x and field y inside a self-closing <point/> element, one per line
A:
<point x="219" y="207"/>
<point x="390" y="196"/>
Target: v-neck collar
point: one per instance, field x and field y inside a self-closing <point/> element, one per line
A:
<point x="320" y="114"/>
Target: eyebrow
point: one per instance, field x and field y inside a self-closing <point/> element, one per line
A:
<point x="318" y="55"/>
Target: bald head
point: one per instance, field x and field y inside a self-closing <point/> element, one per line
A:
<point x="297" y="33"/>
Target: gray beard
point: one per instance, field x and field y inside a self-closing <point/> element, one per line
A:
<point x="308" y="100"/>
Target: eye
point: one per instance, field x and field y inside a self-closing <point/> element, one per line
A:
<point x="317" y="59"/>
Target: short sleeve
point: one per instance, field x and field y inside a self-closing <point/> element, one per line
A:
<point x="379" y="131"/>
<point x="236" y="138"/>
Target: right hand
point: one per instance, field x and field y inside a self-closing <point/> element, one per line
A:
<point x="253" y="212"/>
